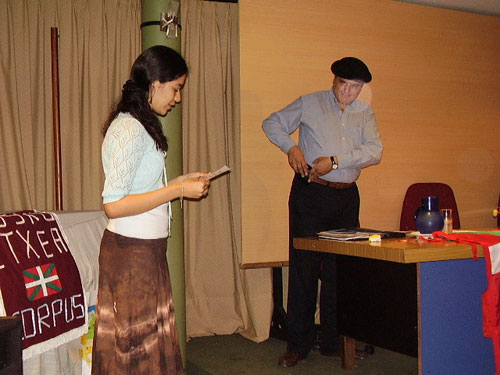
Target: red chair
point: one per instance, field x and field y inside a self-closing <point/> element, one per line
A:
<point x="413" y="200"/>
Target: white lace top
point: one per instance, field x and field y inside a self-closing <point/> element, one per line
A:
<point x="132" y="165"/>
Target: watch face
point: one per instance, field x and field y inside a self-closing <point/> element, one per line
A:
<point x="334" y="165"/>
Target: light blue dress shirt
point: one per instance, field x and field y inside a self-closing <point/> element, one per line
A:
<point x="325" y="130"/>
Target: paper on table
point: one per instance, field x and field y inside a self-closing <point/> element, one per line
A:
<point x="348" y="234"/>
<point x="219" y="171"/>
<point x="345" y="234"/>
<point x="356" y="234"/>
<point x="417" y="234"/>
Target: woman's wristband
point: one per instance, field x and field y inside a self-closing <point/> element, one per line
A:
<point x="181" y="198"/>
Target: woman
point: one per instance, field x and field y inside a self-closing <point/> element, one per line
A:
<point x="135" y="330"/>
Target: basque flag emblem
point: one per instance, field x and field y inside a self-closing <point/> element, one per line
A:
<point x="41" y="281"/>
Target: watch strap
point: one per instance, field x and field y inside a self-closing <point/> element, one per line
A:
<point x="334" y="163"/>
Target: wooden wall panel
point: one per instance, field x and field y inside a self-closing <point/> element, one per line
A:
<point x="435" y="92"/>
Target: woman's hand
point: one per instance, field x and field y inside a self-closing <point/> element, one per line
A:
<point x="195" y="187"/>
<point x="185" y="186"/>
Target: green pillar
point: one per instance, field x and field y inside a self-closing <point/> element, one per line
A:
<point x="172" y="127"/>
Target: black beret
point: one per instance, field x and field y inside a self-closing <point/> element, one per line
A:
<point x="351" y="68"/>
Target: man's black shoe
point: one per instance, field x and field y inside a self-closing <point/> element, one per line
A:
<point x="289" y="358"/>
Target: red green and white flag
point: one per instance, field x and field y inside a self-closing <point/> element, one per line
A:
<point x="41" y="281"/>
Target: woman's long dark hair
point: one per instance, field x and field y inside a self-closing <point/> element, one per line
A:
<point x="158" y="63"/>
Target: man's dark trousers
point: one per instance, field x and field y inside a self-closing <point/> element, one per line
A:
<point x="314" y="208"/>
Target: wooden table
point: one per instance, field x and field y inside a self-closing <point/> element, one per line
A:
<point x="418" y="298"/>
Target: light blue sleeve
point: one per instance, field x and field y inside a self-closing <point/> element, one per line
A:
<point x="369" y="150"/>
<point x="122" y="150"/>
<point x="279" y="125"/>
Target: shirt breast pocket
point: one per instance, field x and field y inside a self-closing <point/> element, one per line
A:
<point x="354" y="134"/>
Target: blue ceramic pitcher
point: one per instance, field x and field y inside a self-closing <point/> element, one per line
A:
<point x="428" y="217"/>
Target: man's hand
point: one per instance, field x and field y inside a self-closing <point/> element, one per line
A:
<point x="297" y="161"/>
<point x="322" y="165"/>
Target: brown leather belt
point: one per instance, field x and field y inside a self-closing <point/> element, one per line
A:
<point x="333" y="185"/>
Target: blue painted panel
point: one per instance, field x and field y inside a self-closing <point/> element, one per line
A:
<point x="452" y="326"/>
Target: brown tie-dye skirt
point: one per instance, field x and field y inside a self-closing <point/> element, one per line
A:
<point x="135" y="330"/>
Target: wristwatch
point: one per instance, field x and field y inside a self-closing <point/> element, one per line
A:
<point x="334" y="164"/>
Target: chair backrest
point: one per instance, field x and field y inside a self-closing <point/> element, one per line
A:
<point x="413" y="200"/>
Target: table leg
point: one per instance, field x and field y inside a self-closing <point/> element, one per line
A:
<point x="348" y="352"/>
<point x="278" y="322"/>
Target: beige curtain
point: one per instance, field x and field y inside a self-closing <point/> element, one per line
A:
<point x="221" y="298"/>
<point x="98" y="41"/>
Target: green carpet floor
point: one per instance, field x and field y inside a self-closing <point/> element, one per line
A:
<point x="235" y="355"/>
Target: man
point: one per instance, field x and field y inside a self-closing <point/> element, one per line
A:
<point x="338" y="136"/>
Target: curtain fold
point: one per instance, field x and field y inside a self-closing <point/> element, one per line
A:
<point x="221" y="298"/>
<point x="98" y="42"/>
